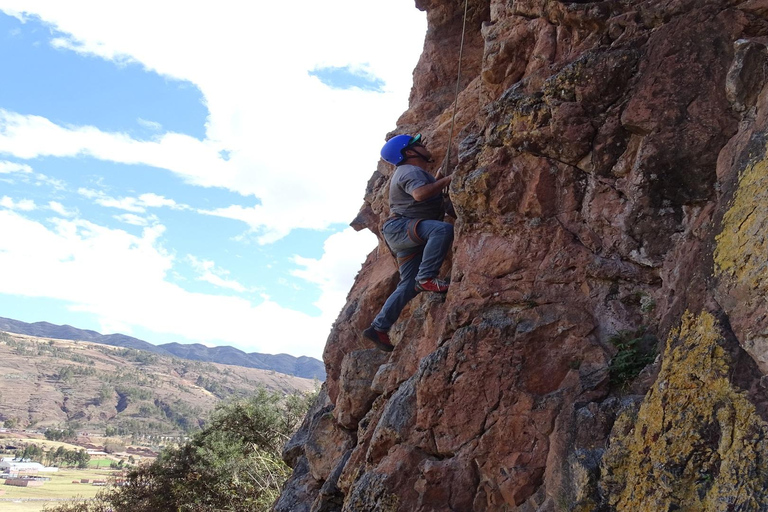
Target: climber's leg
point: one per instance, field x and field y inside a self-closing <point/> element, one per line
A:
<point x="439" y="238"/>
<point x="409" y="266"/>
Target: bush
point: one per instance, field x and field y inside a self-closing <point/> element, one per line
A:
<point x="54" y="434"/>
<point x="233" y="464"/>
<point x="636" y="350"/>
<point x="113" y="446"/>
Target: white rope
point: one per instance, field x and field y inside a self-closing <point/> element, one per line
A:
<point x="446" y="165"/>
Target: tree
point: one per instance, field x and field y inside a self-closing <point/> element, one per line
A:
<point x="53" y="434"/>
<point x="70" y="432"/>
<point x="82" y="458"/>
<point x="113" y="446"/>
<point x="146" y="411"/>
<point x="58" y="455"/>
<point x="66" y="373"/>
<point x="30" y="452"/>
<point x="106" y="393"/>
<point x="233" y="464"/>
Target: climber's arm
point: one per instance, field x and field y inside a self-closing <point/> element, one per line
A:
<point x="431" y="190"/>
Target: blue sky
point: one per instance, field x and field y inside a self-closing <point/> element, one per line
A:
<point x="177" y="178"/>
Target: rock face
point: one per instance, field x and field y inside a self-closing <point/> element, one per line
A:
<point x="610" y="190"/>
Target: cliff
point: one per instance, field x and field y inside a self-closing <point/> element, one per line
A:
<point x="612" y="200"/>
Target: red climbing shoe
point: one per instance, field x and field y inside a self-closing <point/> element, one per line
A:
<point x="379" y="338"/>
<point x="432" y="285"/>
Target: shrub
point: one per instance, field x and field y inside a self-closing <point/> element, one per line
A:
<point x="636" y="350"/>
<point x="233" y="464"/>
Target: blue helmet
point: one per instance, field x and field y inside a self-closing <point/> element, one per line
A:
<point x="392" y="151"/>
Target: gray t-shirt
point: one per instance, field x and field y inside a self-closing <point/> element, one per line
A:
<point x="406" y="179"/>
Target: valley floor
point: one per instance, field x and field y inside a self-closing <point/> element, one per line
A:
<point x="60" y="487"/>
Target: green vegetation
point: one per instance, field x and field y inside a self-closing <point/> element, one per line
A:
<point x="54" y="434"/>
<point x="233" y="464"/>
<point x="39" y="348"/>
<point x="179" y="413"/>
<point x="106" y="393"/>
<point x="112" y="445"/>
<point x="214" y="386"/>
<point x="67" y="373"/>
<point x="138" y="356"/>
<point x="134" y="393"/>
<point x="137" y="395"/>
<point x="134" y="376"/>
<point x="59" y="457"/>
<point x="636" y="350"/>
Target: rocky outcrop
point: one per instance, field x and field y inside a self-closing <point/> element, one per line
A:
<point x="610" y="192"/>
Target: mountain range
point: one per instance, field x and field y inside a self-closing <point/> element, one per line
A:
<point x="304" y="366"/>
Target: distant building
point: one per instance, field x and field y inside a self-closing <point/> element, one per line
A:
<point x="15" y="466"/>
<point x="24" y="482"/>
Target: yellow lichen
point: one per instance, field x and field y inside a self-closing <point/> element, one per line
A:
<point x="742" y="247"/>
<point x="697" y="442"/>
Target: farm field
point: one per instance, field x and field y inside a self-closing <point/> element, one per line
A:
<point x="60" y="486"/>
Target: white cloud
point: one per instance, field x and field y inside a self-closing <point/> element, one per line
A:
<point x="335" y="271"/>
<point x="126" y="203"/>
<point x="274" y="134"/>
<point x="131" y="204"/>
<point x="11" y="167"/>
<point x="152" y="125"/>
<point x="208" y="272"/>
<point x="26" y="174"/>
<point x="151" y="200"/>
<point x="303" y="149"/>
<point x="60" y="209"/>
<point x="30" y="136"/>
<point x="130" y="218"/>
<point x="121" y="278"/>
<point x="25" y="205"/>
<point x="90" y="193"/>
<point x="56" y="184"/>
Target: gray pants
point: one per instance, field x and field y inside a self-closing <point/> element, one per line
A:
<point x="420" y="246"/>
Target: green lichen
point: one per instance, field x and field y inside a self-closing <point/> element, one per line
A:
<point x="370" y="493"/>
<point x="742" y="246"/>
<point x="697" y="442"/>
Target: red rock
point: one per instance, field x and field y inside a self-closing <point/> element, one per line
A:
<point x="611" y="163"/>
<point x="356" y="396"/>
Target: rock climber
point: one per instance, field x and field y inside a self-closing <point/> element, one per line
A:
<point x="414" y="231"/>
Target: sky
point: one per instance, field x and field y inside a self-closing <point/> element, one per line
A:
<point x="187" y="171"/>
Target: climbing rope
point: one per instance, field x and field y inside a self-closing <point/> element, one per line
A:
<point x="446" y="164"/>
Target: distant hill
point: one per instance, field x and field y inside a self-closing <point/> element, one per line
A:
<point x="305" y="367"/>
<point x="46" y="382"/>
